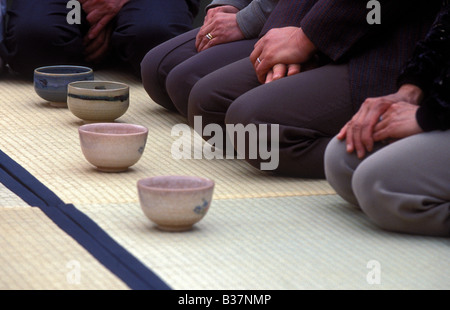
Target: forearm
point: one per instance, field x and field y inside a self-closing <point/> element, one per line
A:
<point x="252" y="18"/>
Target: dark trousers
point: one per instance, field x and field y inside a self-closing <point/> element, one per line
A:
<point x="38" y="34"/>
<point x="170" y="70"/>
<point x="309" y="108"/>
<point x="220" y="85"/>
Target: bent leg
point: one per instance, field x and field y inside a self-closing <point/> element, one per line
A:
<point x="212" y="95"/>
<point x="404" y="186"/>
<point x="160" y="61"/>
<point x="183" y="77"/>
<point x="308" y="109"/>
<point x="339" y="169"/>
<point x="143" y="24"/>
<point x="38" y="34"/>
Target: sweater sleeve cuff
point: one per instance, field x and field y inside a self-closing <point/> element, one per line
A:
<point x="251" y="20"/>
<point x="408" y="79"/>
<point x="239" y="4"/>
<point x="427" y="119"/>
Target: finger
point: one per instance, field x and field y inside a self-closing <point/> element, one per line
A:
<point x="255" y="54"/>
<point x="382" y="124"/>
<point x="93" y="16"/>
<point x="279" y="71"/>
<point x="293" y="69"/>
<point x="359" y="147"/>
<point x="261" y="69"/>
<point x="269" y="77"/>
<point x="349" y="138"/>
<point x="342" y="133"/>
<point x="92" y="45"/>
<point x="98" y="27"/>
<point x="371" y="118"/>
<point x="204" y="43"/>
<point x="382" y="133"/>
<point x="357" y="124"/>
<point x="200" y="36"/>
<point x="204" y="36"/>
<point x="98" y="48"/>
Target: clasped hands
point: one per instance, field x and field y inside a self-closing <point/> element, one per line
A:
<point x="99" y="14"/>
<point x="282" y="52"/>
<point x="386" y="118"/>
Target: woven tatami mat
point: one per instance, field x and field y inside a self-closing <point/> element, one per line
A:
<point x="310" y="242"/>
<point x="9" y="200"/>
<point x="36" y="254"/>
<point x="261" y="232"/>
<point x="45" y="141"/>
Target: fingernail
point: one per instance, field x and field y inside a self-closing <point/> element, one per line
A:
<point x="349" y="148"/>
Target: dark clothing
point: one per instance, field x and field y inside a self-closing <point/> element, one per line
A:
<point x="38" y="33"/>
<point x="429" y="69"/>
<point x="170" y="70"/>
<point x="375" y="53"/>
<point x="361" y="61"/>
<point x="311" y="107"/>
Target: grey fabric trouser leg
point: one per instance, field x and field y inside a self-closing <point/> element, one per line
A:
<point x="170" y="70"/>
<point x="403" y="186"/>
<point x="309" y="108"/>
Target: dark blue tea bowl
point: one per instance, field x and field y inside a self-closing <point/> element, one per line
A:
<point x="50" y="82"/>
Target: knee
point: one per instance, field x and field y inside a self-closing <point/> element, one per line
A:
<point x="242" y="113"/>
<point x="201" y="101"/>
<point x="377" y="197"/>
<point x="179" y="83"/>
<point x="145" y="35"/>
<point x="339" y="169"/>
<point x="32" y="44"/>
<point x="153" y="79"/>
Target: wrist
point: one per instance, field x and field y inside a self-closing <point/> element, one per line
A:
<point x="305" y="44"/>
<point x="410" y="93"/>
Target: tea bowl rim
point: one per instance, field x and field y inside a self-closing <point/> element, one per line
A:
<point x="40" y="72"/>
<point x="209" y="184"/>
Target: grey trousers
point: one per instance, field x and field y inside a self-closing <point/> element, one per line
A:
<point x="170" y="70"/>
<point x="402" y="187"/>
<point x="308" y="109"/>
<point x="220" y="86"/>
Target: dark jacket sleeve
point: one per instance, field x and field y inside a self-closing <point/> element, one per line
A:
<point x="429" y="69"/>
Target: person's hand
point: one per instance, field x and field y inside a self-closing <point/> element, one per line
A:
<point x="359" y="131"/>
<point x="398" y="122"/>
<point x="96" y="49"/>
<point x="288" y="45"/>
<point x="220" y="26"/>
<point x="218" y="9"/>
<point x="281" y="70"/>
<point x="99" y="13"/>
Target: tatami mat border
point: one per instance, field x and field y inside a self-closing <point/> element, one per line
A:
<point x="80" y="227"/>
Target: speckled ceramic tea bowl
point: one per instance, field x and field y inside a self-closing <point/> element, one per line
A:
<point x="50" y="82"/>
<point x="112" y="147"/>
<point x="175" y="203"/>
<point x="98" y="101"/>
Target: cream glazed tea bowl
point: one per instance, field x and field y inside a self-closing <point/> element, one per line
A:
<point x="112" y="147"/>
<point x="175" y="203"/>
<point x="98" y="101"/>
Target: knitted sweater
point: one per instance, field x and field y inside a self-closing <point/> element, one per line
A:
<point x="429" y="69"/>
